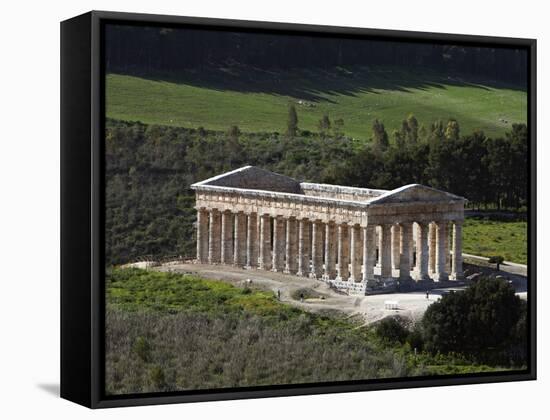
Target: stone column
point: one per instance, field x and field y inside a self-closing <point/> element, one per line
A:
<point x="343" y="252"/>
<point x="404" y="258"/>
<point x="227" y="238"/>
<point x="379" y="244"/>
<point x="252" y="241"/>
<point x="291" y="257"/>
<point x="431" y="248"/>
<point x="421" y="269"/>
<point x="440" y="257"/>
<point x="412" y="243"/>
<point x="202" y="236"/>
<point x="316" y="250"/>
<point x="369" y="254"/>
<point x="239" y="250"/>
<point x="279" y="247"/>
<point x="214" y="237"/>
<point x="447" y="251"/>
<point x="385" y="255"/>
<point x="265" y="242"/>
<point x="330" y="251"/>
<point x="303" y="247"/>
<point x="456" y="270"/>
<point x="395" y="246"/>
<point x="258" y="237"/>
<point x="356" y="254"/>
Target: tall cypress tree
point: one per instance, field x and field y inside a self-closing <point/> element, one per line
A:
<point x="292" y="121"/>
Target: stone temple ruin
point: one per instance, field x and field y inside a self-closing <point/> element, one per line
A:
<point x="357" y="239"/>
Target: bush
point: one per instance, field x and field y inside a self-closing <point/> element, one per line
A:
<point x="392" y="330"/>
<point x="497" y="259"/>
<point x="415" y="338"/>
<point x="157" y="377"/>
<point x="479" y="322"/>
<point x="142" y="348"/>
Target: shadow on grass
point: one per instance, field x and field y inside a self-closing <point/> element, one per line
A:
<point x="315" y="84"/>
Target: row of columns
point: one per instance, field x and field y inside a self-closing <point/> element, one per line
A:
<point x="329" y="250"/>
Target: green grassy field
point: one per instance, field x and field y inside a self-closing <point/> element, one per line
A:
<point x="257" y="101"/>
<point x="488" y="238"/>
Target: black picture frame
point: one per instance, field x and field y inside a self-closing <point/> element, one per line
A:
<point x="82" y="220"/>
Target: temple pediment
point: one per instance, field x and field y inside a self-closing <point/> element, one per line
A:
<point x="253" y="178"/>
<point x="415" y="193"/>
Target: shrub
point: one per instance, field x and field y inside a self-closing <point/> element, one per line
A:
<point x="142" y="348"/>
<point x="392" y="330"/>
<point x="415" y="338"/>
<point x="479" y="321"/>
<point x="157" y="377"/>
<point x="497" y="259"/>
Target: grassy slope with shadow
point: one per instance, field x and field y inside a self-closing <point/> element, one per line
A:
<point x="258" y="100"/>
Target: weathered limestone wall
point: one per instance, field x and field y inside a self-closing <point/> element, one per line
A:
<point x="340" y="192"/>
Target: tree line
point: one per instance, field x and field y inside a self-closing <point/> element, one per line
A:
<point x="149" y="170"/>
<point x="137" y="49"/>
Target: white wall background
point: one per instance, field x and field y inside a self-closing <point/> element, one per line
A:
<point x="29" y="208"/>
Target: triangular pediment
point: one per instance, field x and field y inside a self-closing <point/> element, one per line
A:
<point x="253" y="178"/>
<point x="416" y="193"/>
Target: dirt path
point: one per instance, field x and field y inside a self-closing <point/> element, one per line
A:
<point x="370" y="308"/>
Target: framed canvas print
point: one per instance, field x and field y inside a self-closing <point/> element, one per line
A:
<point x="256" y="209"/>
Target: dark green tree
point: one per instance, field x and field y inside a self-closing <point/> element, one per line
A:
<point x="437" y="133"/>
<point x="519" y="150"/>
<point x="392" y="330"/>
<point x="479" y="321"/>
<point x="497" y="260"/>
<point x="292" y="121"/>
<point x="339" y="127"/>
<point x="379" y="136"/>
<point x="412" y="124"/>
<point x="324" y="124"/>
<point x="452" y="131"/>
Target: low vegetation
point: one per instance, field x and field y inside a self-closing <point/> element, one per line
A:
<point x="179" y="332"/>
<point x="488" y="238"/>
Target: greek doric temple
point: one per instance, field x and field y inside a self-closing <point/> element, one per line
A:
<point x="355" y="238"/>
